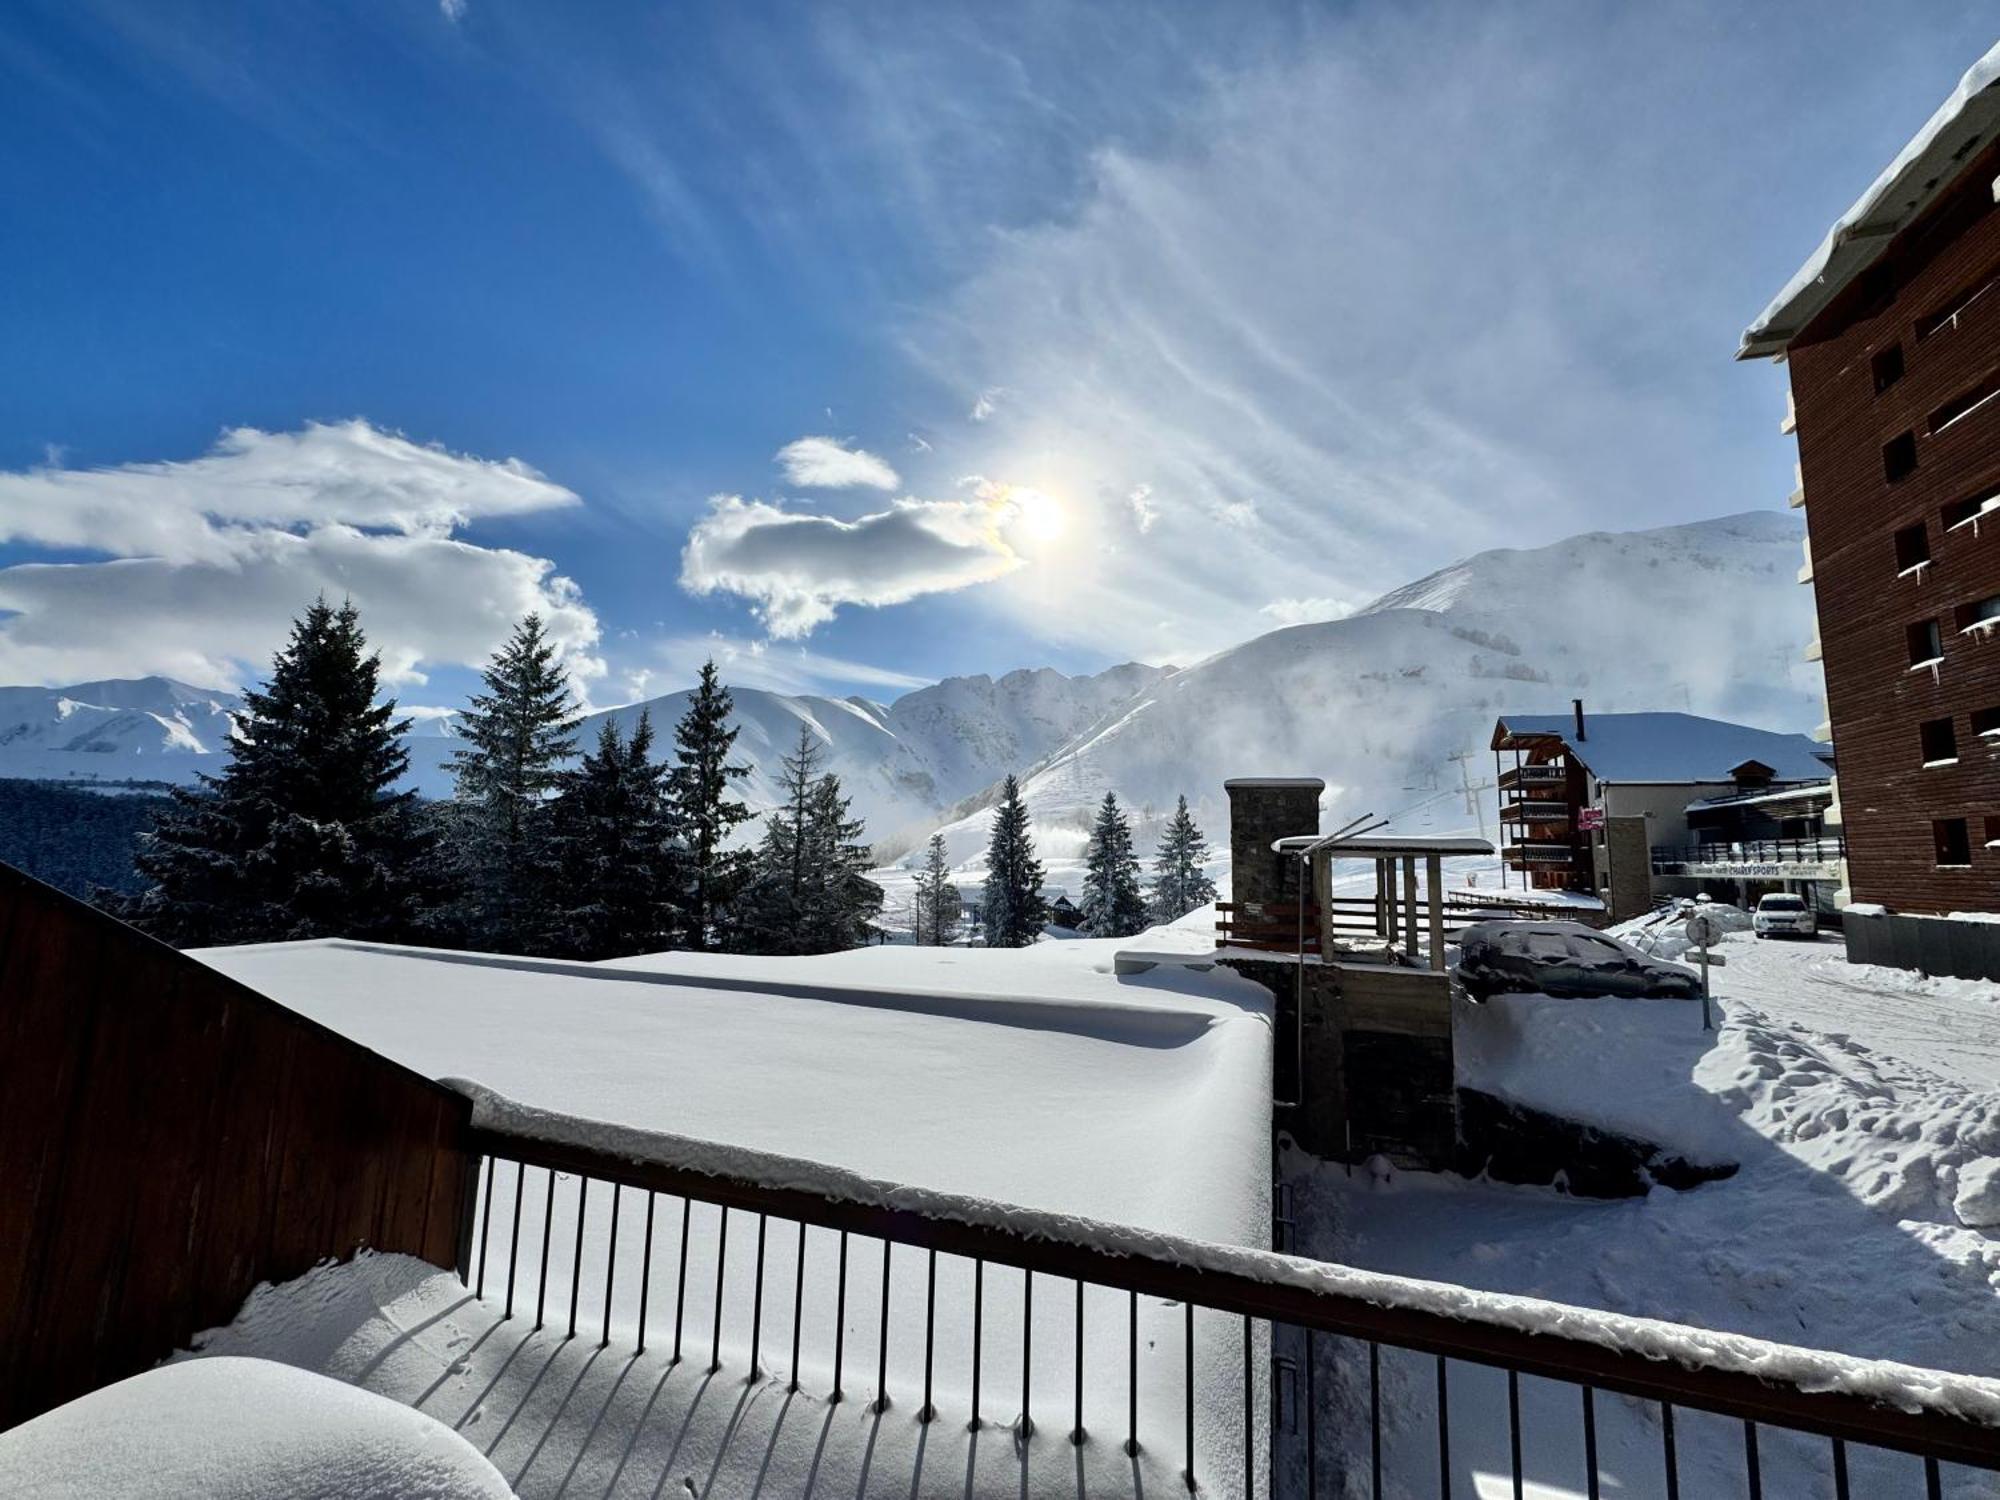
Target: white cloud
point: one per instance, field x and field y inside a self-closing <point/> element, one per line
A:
<point x="453" y="10"/>
<point x="985" y="404"/>
<point x="1305" y="611"/>
<point x="1145" y="514"/>
<point x="824" y="463"/>
<point x="799" y="568"/>
<point x="773" y="667"/>
<point x="209" y="559"/>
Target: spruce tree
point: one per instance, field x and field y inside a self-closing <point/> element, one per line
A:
<point x="1180" y="884"/>
<point x="517" y="733"/>
<point x="774" y="905"/>
<point x="301" y="835"/>
<point x="844" y="901"/>
<point x="810" y="892"/>
<point x="1112" y="903"/>
<point x="936" y="903"/>
<point x="609" y="835"/>
<point x="1014" y="910"/>
<point x="704" y="813"/>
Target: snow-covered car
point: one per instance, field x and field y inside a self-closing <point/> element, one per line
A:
<point x="1565" y="959"/>
<point x="1781" y="914"/>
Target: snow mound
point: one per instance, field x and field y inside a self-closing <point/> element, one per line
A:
<point x="242" y="1429"/>
<point x="1663" y="933"/>
<point x="1978" y="1202"/>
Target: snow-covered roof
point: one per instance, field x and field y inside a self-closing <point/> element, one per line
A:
<point x="901" y="1063"/>
<point x="1672" y="747"/>
<point x="1923" y="169"/>
<point x="1821" y="791"/>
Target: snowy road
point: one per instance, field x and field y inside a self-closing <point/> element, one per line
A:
<point x="1943" y="1028"/>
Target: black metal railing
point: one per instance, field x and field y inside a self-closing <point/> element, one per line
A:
<point x="1274" y="1306"/>
<point x="1822" y="850"/>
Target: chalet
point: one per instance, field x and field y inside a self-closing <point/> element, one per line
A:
<point x="1630" y="807"/>
<point x="1890" y="335"/>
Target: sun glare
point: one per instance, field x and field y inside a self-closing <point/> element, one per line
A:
<point x="1042" y="516"/>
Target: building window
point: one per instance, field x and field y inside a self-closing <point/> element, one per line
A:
<point x="1980" y="615"/>
<point x="1945" y="316"/>
<point x="1899" y="457"/>
<point x="1986" y="722"/>
<point x="1952" y="841"/>
<point x="1971" y="508"/>
<point x="1992" y="831"/>
<point x="1913" y="547"/>
<point x="1964" y="404"/>
<point x="1926" y="645"/>
<point x="1939" y="742"/>
<point x="1888" y="367"/>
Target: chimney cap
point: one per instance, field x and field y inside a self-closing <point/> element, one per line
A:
<point x="1274" y="781"/>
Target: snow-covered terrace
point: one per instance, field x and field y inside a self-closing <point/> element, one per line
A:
<point x="1056" y="1087"/>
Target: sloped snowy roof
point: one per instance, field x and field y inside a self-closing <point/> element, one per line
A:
<point x="1672" y="747"/>
<point x="1923" y="169"/>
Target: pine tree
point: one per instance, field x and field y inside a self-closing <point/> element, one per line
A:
<point x="1112" y="904"/>
<point x="775" y="903"/>
<point x="301" y="835"/>
<point x="704" y="813"/>
<point x="1014" y="910"/>
<point x="610" y="836"/>
<point x="517" y="734"/>
<point x="810" y="892"/>
<point x="845" y="902"/>
<point x="1180" y="884"/>
<point x="934" y="916"/>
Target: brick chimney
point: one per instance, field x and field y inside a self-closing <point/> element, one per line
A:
<point x="1262" y="809"/>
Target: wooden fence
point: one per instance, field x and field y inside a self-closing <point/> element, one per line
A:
<point x="170" y="1138"/>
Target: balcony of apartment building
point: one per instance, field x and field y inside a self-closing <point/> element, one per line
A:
<point x="601" y="1307"/>
<point x="1758" y="834"/>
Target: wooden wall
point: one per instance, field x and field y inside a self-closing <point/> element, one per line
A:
<point x="170" y="1138"/>
<point x="1853" y="511"/>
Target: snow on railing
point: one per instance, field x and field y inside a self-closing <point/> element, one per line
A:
<point x="1943" y="1417"/>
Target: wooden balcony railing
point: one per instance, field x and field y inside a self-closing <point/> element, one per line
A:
<point x="1533" y="776"/>
<point x="1943" y="1418"/>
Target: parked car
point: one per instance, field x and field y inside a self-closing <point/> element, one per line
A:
<point x="1564" y="958"/>
<point x="1781" y="914"/>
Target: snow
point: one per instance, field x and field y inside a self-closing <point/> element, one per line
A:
<point x="1656" y="747"/>
<point x="1977" y="1203"/>
<point x="1927" y="164"/>
<point x="241" y="1429"/>
<point x="906" y="1064"/>
<point x="1622" y="1065"/>
<point x="1036" y="1089"/>
<point x="1861" y="1105"/>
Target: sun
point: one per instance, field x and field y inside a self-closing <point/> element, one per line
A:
<point x="1042" y="516"/>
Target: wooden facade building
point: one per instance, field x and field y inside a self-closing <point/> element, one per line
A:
<point x="1892" y="339"/>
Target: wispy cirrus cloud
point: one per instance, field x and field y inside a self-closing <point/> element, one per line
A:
<point x="824" y="463"/>
<point x="206" y="560"/>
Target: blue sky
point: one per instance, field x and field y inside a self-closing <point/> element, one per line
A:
<point x="1162" y="325"/>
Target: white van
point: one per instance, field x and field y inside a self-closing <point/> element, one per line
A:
<point x="1782" y="914"/>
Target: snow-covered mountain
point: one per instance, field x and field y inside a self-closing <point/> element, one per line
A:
<point x="150" y="728"/>
<point x="905" y="764"/>
<point x="1704" y="618"/>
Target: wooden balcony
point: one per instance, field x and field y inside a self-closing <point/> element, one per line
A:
<point x="1527" y="777"/>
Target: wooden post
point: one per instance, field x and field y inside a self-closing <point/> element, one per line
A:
<point x="1382" y="908"/>
<point x="1409" y="905"/>
<point x="1434" y="873"/>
